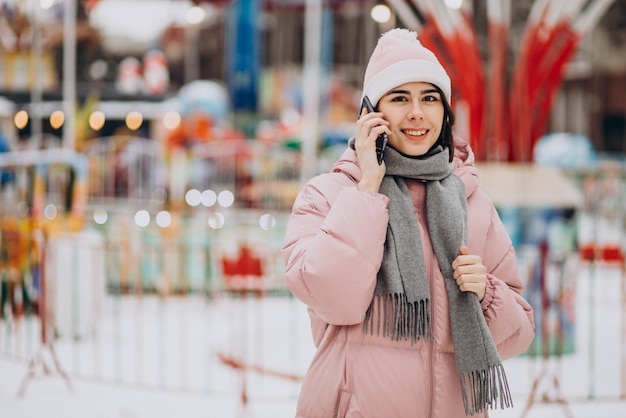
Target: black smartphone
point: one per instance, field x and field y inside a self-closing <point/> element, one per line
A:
<point x="381" y="141"/>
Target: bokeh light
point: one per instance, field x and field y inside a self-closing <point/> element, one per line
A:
<point x="47" y="4"/>
<point x="100" y="216"/>
<point x="50" y="212"/>
<point x="267" y="221"/>
<point x="209" y="197"/>
<point x="216" y="220"/>
<point x="57" y="118"/>
<point x="21" y="119"/>
<point x="195" y="15"/>
<point x="134" y="120"/>
<point x="171" y="120"/>
<point x="381" y="13"/>
<point x="96" y="120"/>
<point x="226" y="198"/>
<point x="164" y="219"/>
<point x="142" y="218"/>
<point x="193" y="197"/>
<point x="454" y="4"/>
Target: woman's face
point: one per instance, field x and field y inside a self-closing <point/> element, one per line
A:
<point x="415" y="115"/>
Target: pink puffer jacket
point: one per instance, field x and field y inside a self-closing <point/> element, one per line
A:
<point x="333" y="249"/>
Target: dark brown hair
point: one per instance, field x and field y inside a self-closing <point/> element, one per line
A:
<point x="446" y="136"/>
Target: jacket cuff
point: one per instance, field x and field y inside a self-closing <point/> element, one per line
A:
<point x="488" y="298"/>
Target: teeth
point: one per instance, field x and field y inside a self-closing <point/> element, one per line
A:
<point x="415" y="133"/>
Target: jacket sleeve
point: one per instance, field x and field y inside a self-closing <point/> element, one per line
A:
<point x="333" y="249"/>
<point x="508" y="315"/>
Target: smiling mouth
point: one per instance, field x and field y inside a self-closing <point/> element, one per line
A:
<point x="412" y="132"/>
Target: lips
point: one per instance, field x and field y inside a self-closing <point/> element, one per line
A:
<point x="415" y="132"/>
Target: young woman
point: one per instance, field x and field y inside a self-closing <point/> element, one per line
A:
<point x="409" y="276"/>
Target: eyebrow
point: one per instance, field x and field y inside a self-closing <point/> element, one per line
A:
<point x="408" y="92"/>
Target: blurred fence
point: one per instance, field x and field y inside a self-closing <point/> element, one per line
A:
<point x="573" y="261"/>
<point x="109" y="273"/>
<point x="601" y="239"/>
<point x="125" y="265"/>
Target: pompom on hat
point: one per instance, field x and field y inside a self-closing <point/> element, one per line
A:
<point x="399" y="57"/>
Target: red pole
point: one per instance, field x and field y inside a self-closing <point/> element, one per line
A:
<point x="553" y="81"/>
<point x="496" y="137"/>
<point x="521" y="100"/>
<point x="457" y="48"/>
<point x="475" y="89"/>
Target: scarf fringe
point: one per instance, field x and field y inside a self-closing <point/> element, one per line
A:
<point x="397" y="318"/>
<point x="484" y="389"/>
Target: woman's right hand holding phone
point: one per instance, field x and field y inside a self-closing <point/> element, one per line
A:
<point x="368" y="127"/>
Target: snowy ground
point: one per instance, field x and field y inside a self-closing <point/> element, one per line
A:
<point x="152" y="357"/>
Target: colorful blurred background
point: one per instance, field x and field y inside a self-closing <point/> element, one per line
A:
<point x="150" y="151"/>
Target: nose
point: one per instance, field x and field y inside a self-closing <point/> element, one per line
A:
<point x="416" y="113"/>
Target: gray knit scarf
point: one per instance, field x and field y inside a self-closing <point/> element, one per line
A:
<point x="402" y="294"/>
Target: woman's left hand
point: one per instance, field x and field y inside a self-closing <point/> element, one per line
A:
<point x="470" y="273"/>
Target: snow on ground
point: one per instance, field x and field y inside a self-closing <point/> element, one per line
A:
<point x="154" y="357"/>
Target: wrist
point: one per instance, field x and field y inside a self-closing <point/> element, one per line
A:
<point x="488" y="297"/>
<point x="368" y="186"/>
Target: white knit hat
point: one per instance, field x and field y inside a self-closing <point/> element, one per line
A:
<point x="399" y="57"/>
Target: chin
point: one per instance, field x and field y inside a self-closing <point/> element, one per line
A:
<point x="416" y="151"/>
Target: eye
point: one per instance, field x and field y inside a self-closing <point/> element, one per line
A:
<point x="431" y="98"/>
<point x="399" y="99"/>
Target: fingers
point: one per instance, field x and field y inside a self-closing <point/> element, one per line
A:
<point x="470" y="273"/>
<point x="368" y="128"/>
<point x="472" y="269"/>
<point x="465" y="258"/>
<point x="479" y="289"/>
<point x="469" y="278"/>
<point x="370" y="125"/>
<point x="473" y="282"/>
